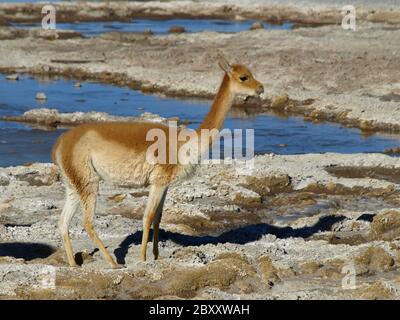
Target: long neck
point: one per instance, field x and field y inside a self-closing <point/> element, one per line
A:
<point x="219" y="108"/>
<point x="208" y="131"/>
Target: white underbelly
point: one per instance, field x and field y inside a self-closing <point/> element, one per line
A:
<point x="121" y="171"/>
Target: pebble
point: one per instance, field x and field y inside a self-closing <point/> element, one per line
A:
<point x="41" y="96"/>
<point x="177" y="29"/>
<point x="4" y="180"/>
<point x="14" y="77"/>
<point x="279" y="101"/>
<point x="257" y="25"/>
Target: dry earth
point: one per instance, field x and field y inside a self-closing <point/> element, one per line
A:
<point x="289" y="228"/>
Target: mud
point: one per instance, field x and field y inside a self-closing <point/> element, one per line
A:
<point x="381" y="173"/>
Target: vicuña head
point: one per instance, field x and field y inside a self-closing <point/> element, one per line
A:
<point x="116" y="152"/>
<point x="241" y="79"/>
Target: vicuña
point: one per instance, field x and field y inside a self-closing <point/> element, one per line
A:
<point x="116" y="153"/>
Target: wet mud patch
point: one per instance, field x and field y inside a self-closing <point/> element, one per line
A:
<point x="268" y="185"/>
<point x="340" y="189"/>
<point x="280" y="105"/>
<point x="342" y="238"/>
<point x="289" y="107"/>
<point x="391" y="97"/>
<point x="392" y="151"/>
<point x="277" y="192"/>
<point x="380" y="173"/>
<point x="213" y="222"/>
<point x="35" y="179"/>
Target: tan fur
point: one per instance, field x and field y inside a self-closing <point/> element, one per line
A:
<point x="116" y="152"/>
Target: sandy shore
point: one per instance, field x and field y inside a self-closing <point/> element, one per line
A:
<point x="291" y="228"/>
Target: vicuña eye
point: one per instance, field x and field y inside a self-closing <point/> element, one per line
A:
<point x="244" y="78"/>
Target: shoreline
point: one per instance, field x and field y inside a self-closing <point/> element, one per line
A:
<point x="305" y="13"/>
<point x="335" y="84"/>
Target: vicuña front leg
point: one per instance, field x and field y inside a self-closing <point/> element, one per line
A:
<point x="89" y="206"/>
<point x="155" y="197"/>
<point x="156" y="225"/>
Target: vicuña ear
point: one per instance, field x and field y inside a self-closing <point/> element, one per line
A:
<point x="224" y="64"/>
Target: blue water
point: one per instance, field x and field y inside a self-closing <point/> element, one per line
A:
<point x="20" y="143"/>
<point x="158" y="26"/>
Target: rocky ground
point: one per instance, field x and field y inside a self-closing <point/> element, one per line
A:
<point x="291" y="227"/>
<point x="296" y="227"/>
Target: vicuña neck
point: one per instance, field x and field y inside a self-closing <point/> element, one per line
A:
<point x="219" y="108"/>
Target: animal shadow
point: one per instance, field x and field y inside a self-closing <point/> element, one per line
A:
<point x="25" y="250"/>
<point x="240" y="235"/>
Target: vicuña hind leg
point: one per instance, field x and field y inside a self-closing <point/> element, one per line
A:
<point x="88" y="202"/>
<point x="70" y="207"/>
<point x="155" y="197"/>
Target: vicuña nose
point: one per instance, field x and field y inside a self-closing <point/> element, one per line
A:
<point x="260" y="89"/>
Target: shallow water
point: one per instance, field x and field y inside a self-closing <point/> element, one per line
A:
<point x="158" y="26"/>
<point x="20" y="143"/>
